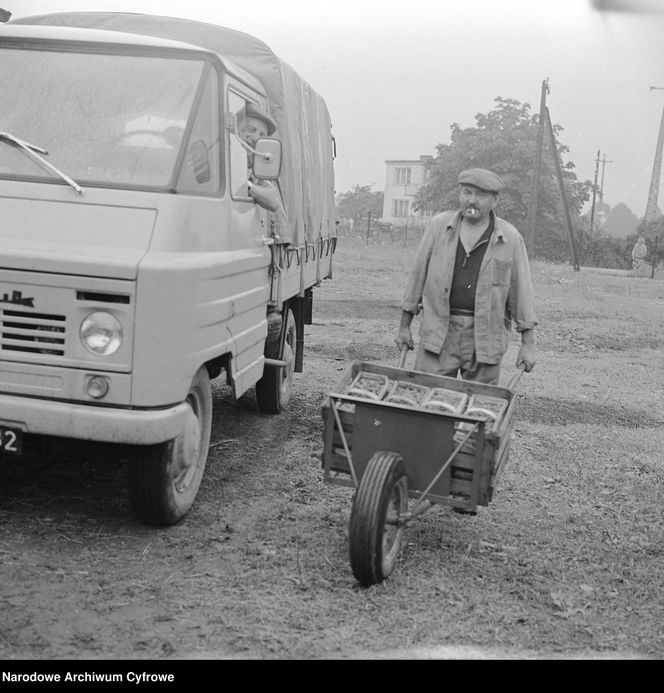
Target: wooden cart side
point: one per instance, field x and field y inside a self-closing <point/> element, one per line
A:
<point x="499" y="464"/>
<point x="497" y="446"/>
<point x="502" y="447"/>
<point x="334" y="454"/>
<point x="460" y="485"/>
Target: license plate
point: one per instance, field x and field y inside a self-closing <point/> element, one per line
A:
<point x="11" y="440"/>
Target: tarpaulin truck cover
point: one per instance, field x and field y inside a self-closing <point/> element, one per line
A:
<point x="302" y="117"/>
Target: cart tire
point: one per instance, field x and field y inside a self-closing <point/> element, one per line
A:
<point x="374" y="537"/>
<point x="273" y="390"/>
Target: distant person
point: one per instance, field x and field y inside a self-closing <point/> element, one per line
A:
<point x="471" y="279"/>
<point x="639" y="253"/>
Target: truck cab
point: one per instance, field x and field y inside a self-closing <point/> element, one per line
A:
<point x="136" y="267"/>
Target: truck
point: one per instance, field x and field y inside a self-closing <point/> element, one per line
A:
<point x="136" y="268"/>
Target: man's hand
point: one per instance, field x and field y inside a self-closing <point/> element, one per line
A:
<point x="527" y="355"/>
<point x="404" y="337"/>
<point x="265" y="195"/>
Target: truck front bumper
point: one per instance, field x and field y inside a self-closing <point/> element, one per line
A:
<point x="84" y="422"/>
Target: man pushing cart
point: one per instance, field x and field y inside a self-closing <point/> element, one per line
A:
<point x="440" y="433"/>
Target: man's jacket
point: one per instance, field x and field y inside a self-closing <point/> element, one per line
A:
<point x="504" y="288"/>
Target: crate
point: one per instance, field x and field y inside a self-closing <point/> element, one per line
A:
<point x="369" y="385"/>
<point x="487" y="407"/>
<point x="409" y="394"/>
<point x="446" y="400"/>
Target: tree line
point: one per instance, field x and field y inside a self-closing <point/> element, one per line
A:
<point x="505" y="141"/>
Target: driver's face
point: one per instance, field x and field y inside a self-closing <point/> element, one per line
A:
<point x="251" y="129"/>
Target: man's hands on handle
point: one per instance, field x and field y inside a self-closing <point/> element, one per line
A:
<point x="527" y="353"/>
<point x="405" y="335"/>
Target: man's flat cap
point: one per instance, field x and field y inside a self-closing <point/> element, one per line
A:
<point x="257" y="112"/>
<point x="481" y="178"/>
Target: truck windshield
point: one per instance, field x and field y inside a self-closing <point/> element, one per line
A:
<point x="104" y="119"/>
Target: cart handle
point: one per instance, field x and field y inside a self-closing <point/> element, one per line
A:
<point x="517" y="376"/>
<point x="402" y="356"/>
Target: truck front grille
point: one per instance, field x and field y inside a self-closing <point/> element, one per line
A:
<point x="32" y="333"/>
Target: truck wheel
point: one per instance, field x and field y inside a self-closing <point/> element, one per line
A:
<point x="273" y="390"/>
<point x="374" y="534"/>
<point x="164" y="479"/>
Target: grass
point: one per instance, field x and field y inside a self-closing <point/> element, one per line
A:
<point x="566" y="562"/>
<point x="568" y="557"/>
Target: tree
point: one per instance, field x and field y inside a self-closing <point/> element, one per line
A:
<point x="621" y="222"/>
<point x="358" y="203"/>
<point x="505" y="141"/>
<point x="601" y="250"/>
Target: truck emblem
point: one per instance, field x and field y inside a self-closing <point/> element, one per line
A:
<point x="17" y="299"/>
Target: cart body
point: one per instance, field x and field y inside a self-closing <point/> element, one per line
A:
<point x="425" y="439"/>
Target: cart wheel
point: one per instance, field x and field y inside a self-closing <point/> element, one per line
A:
<point x="374" y="535"/>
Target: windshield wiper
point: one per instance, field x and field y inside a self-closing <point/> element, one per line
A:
<point x="35" y="152"/>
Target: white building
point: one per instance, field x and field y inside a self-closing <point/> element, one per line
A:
<point x="404" y="178"/>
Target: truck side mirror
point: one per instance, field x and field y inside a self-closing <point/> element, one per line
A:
<point x="200" y="162"/>
<point x="267" y="158"/>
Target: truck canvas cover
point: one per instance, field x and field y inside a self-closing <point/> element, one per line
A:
<point x="302" y="117"/>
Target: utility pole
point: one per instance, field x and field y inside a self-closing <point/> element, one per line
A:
<point x="561" y="184"/>
<point x="652" y="211"/>
<point x="592" y="208"/>
<point x="601" y="185"/>
<point x="596" y="190"/>
<point x="534" y="186"/>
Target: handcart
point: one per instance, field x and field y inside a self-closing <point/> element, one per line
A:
<point x="396" y="434"/>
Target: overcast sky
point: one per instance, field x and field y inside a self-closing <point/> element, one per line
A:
<point x="396" y="74"/>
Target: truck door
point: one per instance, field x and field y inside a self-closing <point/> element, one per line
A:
<point x="249" y="228"/>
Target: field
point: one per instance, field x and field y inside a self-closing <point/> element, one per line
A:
<point x="566" y="562"/>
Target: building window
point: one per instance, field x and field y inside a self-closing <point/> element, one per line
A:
<point x="400" y="208"/>
<point x="402" y="176"/>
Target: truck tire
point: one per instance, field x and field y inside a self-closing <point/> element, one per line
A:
<point x="374" y="535"/>
<point x="164" y="479"/>
<point x="273" y="390"/>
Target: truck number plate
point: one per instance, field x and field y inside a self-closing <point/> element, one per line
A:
<point x="11" y="440"/>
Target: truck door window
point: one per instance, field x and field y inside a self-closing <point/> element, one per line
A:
<point x="238" y="154"/>
<point x="202" y="171"/>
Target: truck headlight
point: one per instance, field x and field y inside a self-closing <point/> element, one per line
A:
<point x="101" y="333"/>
